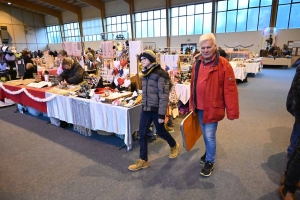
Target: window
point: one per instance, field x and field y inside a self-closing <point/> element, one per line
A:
<point x="72" y="32"/>
<point x="150" y="24"/>
<point x="288" y="14"/>
<point x="242" y="15"/>
<point x="191" y="19"/>
<point x="118" y="23"/>
<point x="92" y="28"/>
<point x="53" y="33"/>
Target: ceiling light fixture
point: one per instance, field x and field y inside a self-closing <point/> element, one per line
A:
<point x="8" y="3"/>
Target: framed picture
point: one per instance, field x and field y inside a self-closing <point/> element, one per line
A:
<point x="188" y="48"/>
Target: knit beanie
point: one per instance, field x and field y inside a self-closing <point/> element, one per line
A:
<point x="149" y="54"/>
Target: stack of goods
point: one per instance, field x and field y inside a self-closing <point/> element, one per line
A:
<point x="131" y="101"/>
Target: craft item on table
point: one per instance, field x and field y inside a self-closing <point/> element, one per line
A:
<point x="59" y="91"/>
<point x="120" y="72"/>
<point x="84" y="91"/>
<point x="20" y="82"/>
<point x="123" y="62"/>
<point x="82" y="117"/>
<point x="39" y="84"/>
<point x="107" y="49"/>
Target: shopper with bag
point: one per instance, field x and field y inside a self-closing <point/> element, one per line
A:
<point x="213" y="90"/>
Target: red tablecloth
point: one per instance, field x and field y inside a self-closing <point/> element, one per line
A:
<point x="22" y="98"/>
<point x="51" y="72"/>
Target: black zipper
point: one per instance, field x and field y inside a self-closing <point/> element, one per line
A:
<point x="146" y="92"/>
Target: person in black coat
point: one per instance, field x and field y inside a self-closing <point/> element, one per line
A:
<point x="222" y="52"/>
<point x="73" y="72"/>
<point x="292" y="174"/>
<point x="29" y="71"/>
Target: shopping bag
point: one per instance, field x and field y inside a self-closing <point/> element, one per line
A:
<point x="190" y="130"/>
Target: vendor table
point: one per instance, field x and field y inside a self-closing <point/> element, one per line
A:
<point x="253" y="67"/>
<point x="277" y="61"/>
<point x="24" y="97"/>
<point x="250" y="67"/>
<point x="183" y="92"/>
<point x="101" y="116"/>
<point x="240" y="73"/>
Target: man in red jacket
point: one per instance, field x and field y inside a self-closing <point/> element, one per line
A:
<point x="213" y="89"/>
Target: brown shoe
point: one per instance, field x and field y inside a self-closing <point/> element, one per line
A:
<point x="288" y="196"/>
<point x="140" y="164"/>
<point x="283" y="179"/>
<point x="174" y="151"/>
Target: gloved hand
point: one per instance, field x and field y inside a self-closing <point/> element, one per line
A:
<point x="161" y="121"/>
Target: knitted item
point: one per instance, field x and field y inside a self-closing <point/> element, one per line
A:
<point x="82" y="117"/>
<point x="147" y="71"/>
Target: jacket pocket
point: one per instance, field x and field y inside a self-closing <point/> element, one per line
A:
<point x="218" y="104"/>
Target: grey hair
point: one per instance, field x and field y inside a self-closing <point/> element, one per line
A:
<point x="208" y="36"/>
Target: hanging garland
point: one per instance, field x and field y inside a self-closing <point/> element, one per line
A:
<point x="28" y="94"/>
<point x="239" y="46"/>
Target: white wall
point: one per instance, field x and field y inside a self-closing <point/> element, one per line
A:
<point x="120" y="7"/>
<point x="142" y="5"/>
<point x="50" y="20"/>
<point x="90" y="12"/>
<point x="69" y="17"/>
<point x="16" y="20"/>
<point x="117" y="7"/>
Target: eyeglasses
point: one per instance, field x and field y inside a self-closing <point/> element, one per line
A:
<point x="143" y="59"/>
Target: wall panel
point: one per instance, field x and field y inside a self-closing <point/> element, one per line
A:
<point x="117" y="7"/>
<point x="90" y="12"/>
<point x="16" y="16"/>
<point x="141" y="5"/>
<point x="5" y="14"/>
<point x="27" y="18"/>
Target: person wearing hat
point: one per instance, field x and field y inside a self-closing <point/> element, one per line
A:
<point x="155" y="98"/>
<point x="73" y="72"/>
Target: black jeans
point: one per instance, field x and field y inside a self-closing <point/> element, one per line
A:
<point x="293" y="170"/>
<point x="147" y="117"/>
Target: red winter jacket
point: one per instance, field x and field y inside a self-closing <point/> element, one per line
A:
<point x="221" y="91"/>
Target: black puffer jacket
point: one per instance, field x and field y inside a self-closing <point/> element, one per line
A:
<point x="155" y="85"/>
<point x="295" y="95"/>
<point x="73" y="75"/>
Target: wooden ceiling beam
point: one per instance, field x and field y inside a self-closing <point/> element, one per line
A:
<point x="37" y="8"/>
<point x="131" y="10"/>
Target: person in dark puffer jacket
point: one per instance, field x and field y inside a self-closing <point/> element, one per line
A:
<point x="156" y="86"/>
<point x="73" y="72"/>
<point x="292" y="174"/>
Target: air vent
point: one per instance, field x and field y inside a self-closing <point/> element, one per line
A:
<point x="4" y="35"/>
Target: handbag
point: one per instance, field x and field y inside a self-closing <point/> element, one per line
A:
<point x="190" y="130"/>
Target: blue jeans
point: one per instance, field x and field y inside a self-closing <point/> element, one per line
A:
<point x="209" y="136"/>
<point x="294" y="138"/>
<point x="147" y="117"/>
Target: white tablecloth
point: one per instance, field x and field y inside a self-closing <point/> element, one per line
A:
<point x="183" y="92"/>
<point x="105" y="117"/>
<point x="253" y="67"/>
<point x="116" y="119"/>
<point x="240" y="73"/>
<point x="60" y="108"/>
<point x="250" y="67"/>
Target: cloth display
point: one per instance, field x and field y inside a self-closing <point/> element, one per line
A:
<point x="107" y="49"/>
<point x="135" y="48"/>
<point x="81" y="116"/>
